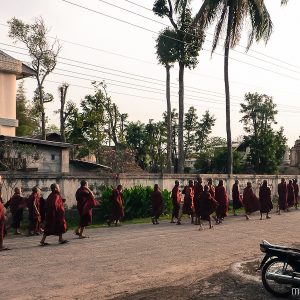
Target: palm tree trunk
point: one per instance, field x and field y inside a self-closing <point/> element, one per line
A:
<point x="180" y="119"/>
<point x="227" y="94"/>
<point x="169" y="121"/>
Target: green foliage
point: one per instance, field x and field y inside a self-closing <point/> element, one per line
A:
<point x="214" y="160"/>
<point x="267" y="146"/>
<point x="137" y="202"/>
<point x="26" y="115"/>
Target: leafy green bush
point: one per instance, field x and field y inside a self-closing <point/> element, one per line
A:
<point x="137" y="202"/>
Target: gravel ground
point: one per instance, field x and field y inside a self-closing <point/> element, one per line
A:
<point x="144" y="261"/>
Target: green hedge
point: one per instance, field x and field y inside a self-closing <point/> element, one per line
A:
<point x="137" y="202"/>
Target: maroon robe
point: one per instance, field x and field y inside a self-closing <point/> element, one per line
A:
<point x="85" y="202"/>
<point x="237" y="200"/>
<point x="16" y="205"/>
<point x="208" y="205"/>
<point x="296" y="191"/>
<point x="222" y="199"/>
<point x="176" y="199"/>
<point x="211" y="190"/>
<point x="55" y="215"/>
<point x="198" y="190"/>
<point x="157" y="203"/>
<point x="117" y="205"/>
<point x="34" y="218"/>
<point x="282" y="193"/>
<point x="2" y="222"/>
<point x="290" y="195"/>
<point x="251" y="202"/>
<point x="188" y="204"/>
<point x="265" y="200"/>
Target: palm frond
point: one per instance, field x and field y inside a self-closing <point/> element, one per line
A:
<point x="219" y="27"/>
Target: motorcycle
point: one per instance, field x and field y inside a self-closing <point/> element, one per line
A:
<point x="280" y="270"/>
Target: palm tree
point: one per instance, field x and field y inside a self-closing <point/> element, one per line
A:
<point x="188" y="46"/>
<point x="231" y="16"/>
<point x="166" y="55"/>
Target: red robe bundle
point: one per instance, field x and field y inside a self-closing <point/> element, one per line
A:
<point x="55" y="215"/>
<point x="236" y="197"/>
<point x="188" y="204"/>
<point x="282" y="193"/>
<point x="16" y="205"/>
<point x="117" y="205"/>
<point x="85" y="202"/>
<point x="265" y="200"/>
<point x="198" y="190"/>
<point x="157" y="203"/>
<point x="296" y="191"/>
<point x="176" y="199"/>
<point x="34" y="218"/>
<point x="251" y="202"/>
<point x="222" y="199"/>
<point x="208" y="205"/>
<point x="2" y="221"/>
<point x="290" y="195"/>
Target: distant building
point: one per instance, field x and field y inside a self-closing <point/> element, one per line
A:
<point x="10" y="71"/>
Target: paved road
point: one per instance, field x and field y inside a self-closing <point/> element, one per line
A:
<point x="134" y="259"/>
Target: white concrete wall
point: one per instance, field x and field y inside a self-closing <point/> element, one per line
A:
<point x="69" y="184"/>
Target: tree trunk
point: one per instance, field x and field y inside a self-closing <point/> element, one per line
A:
<point x="42" y="108"/>
<point x="62" y="121"/>
<point x="227" y="94"/>
<point x="180" y="119"/>
<point x="169" y="121"/>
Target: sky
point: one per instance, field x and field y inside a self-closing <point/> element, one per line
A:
<point x="97" y="47"/>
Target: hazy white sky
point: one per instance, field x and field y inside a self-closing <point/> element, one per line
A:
<point x="124" y="56"/>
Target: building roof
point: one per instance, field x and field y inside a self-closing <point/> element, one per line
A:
<point x="89" y="165"/>
<point x="27" y="140"/>
<point x="10" y="65"/>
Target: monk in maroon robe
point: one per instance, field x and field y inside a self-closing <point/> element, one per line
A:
<point x="237" y="200"/>
<point x="198" y="190"/>
<point x="16" y="206"/>
<point x="85" y="202"/>
<point x="176" y="200"/>
<point x="55" y="216"/>
<point x="211" y="188"/>
<point x="208" y="206"/>
<point x="282" y="193"/>
<point x="157" y="204"/>
<point x="117" y="206"/>
<point x="2" y="226"/>
<point x="265" y="200"/>
<point x="222" y="198"/>
<point x="296" y="191"/>
<point x="188" y="202"/>
<point x="251" y="202"/>
<point x="290" y="194"/>
<point x="34" y="217"/>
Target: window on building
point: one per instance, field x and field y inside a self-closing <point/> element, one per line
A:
<point x="52" y="156"/>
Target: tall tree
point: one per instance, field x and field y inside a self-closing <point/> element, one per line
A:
<point x="203" y="131"/>
<point x="231" y="16"/>
<point x="188" y="47"/>
<point x="267" y="147"/>
<point x="190" y="127"/>
<point x="166" y="51"/>
<point x="43" y="55"/>
<point x="112" y="116"/>
<point x="66" y="109"/>
<point x="28" y="121"/>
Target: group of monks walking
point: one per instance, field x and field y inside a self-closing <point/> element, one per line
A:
<point x="200" y="203"/>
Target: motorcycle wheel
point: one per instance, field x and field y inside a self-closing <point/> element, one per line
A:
<point x="276" y="265"/>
